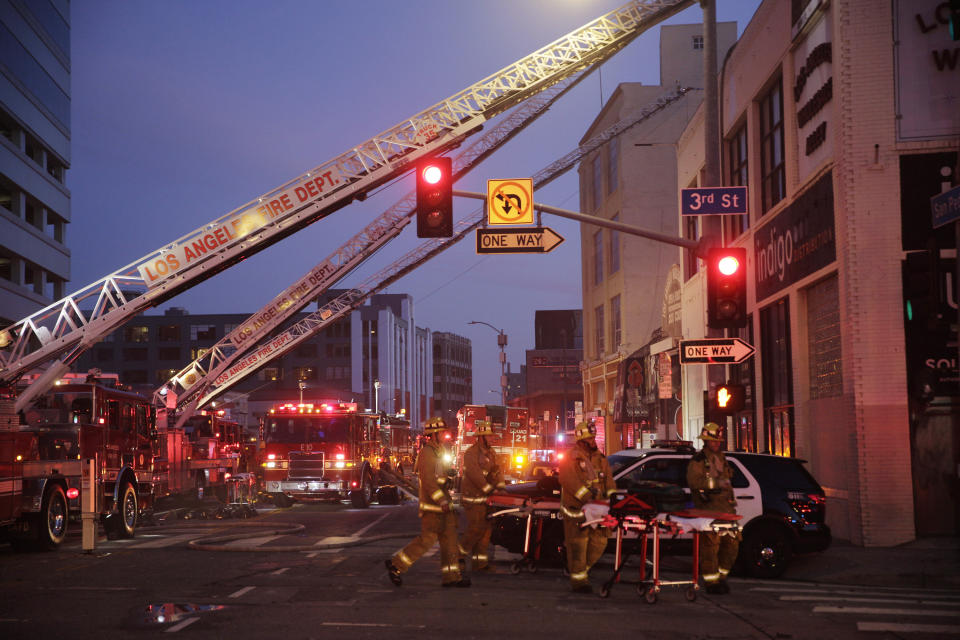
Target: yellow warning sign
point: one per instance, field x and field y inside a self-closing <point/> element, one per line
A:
<point x="510" y="201"/>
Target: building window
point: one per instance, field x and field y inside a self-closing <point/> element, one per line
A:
<point x="272" y="373"/>
<point x="306" y="351"/>
<point x="613" y="157"/>
<point x="136" y="334"/>
<point x="169" y="333"/>
<point x="135" y="354"/>
<point x="597" y="182"/>
<point x="697" y="42"/>
<point x="615" y="322"/>
<point x="823" y="322"/>
<point x="777" y="379"/>
<point x="614" y="262"/>
<point x="737" y="177"/>
<point x="165" y="375"/>
<point x="305" y="373"/>
<point x="771" y="146"/>
<point x="135" y="376"/>
<point x="168" y="353"/>
<point x="103" y="354"/>
<point x="598" y="257"/>
<point x="598" y="329"/>
<point x="206" y="332"/>
<point x="197" y="353"/>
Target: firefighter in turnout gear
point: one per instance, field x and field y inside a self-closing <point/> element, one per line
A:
<point x="708" y="475"/>
<point x="584" y="476"/>
<point x="438" y="521"/>
<point x="481" y="476"/>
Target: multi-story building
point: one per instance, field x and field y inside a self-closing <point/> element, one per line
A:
<point x="843" y="120"/>
<point x="632" y="179"/>
<point x="376" y="343"/>
<point x="34" y="155"/>
<point x="452" y="375"/>
<point x="552" y="381"/>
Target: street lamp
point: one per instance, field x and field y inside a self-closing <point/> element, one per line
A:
<point x="302" y="386"/>
<point x="502" y="343"/>
<point x="376" y="396"/>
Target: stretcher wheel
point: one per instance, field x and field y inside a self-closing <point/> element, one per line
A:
<point x="641" y="589"/>
<point x="515" y="568"/>
<point x="532" y="567"/>
<point x="691" y="594"/>
<point x="605" y="592"/>
<point x="650" y="595"/>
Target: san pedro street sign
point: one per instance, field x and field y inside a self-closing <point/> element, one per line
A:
<point x="517" y="240"/>
<point x="715" y="351"/>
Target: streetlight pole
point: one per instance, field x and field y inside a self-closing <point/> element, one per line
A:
<point x="502" y="343"/>
<point x="376" y="396"/>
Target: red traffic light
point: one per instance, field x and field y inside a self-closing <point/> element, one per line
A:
<point x="432" y="174"/>
<point x="435" y="198"/>
<point x="728" y="265"/>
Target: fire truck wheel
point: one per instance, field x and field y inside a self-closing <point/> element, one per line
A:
<point x="52" y="527"/>
<point x="123" y="522"/>
<point x="282" y="500"/>
<point x="361" y="498"/>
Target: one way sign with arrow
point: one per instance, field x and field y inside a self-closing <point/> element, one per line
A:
<point x="715" y="351"/>
<point x="517" y="240"/>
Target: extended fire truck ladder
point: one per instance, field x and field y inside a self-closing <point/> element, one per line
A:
<point x="257" y="356"/>
<point x="63" y="328"/>
<point x="185" y="385"/>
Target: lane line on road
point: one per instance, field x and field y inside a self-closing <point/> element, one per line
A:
<point x="887" y="612"/>
<point x="240" y="592"/>
<point x="370" y="526"/>
<point x="167" y="542"/>
<point x="866" y="591"/>
<point x="252" y="542"/>
<point x="933" y="603"/>
<point x="333" y="540"/>
<point x="280" y="570"/>
<point x="904" y="627"/>
<point x="181" y="625"/>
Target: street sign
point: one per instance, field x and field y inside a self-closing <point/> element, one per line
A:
<point x="517" y="240"/>
<point x="713" y="200"/>
<point x="510" y="201"/>
<point x="945" y="207"/>
<point x="715" y="351"/>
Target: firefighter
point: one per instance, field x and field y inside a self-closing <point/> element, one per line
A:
<point x="708" y="475"/>
<point x="437" y="518"/>
<point x="584" y="476"/>
<point x="481" y="476"/>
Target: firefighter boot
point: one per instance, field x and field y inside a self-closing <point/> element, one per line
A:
<point x="462" y="582"/>
<point x="715" y="588"/>
<point x="394" y="573"/>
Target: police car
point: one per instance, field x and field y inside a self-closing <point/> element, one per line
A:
<point x="782" y="505"/>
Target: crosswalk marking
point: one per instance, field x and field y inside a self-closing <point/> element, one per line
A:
<point x="252" y="542"/>
<point x="886" y="612"/>
<point x="160" y="543"/>
<point x="825" y="598"/>
<point x="872" y="590"/>
<point x="907" y="628"/>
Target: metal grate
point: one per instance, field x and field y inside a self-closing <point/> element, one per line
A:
<point x="305" y="465"/>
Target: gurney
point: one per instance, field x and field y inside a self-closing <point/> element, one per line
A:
<point x="535" y="511"/>
<point x="630" y="516"/>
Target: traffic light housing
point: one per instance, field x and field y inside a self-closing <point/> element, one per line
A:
<point x="728" y="399"/>
<point x="727" y="288"/>
<point x="435" y="198"/>
<point x="921" y="290"/>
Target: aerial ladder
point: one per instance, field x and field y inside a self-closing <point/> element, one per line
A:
<point x="57" y="334"/>
<point x="183" y="388"/>
<point x="210" y="386"/>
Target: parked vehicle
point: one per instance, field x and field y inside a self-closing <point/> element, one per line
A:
<point x="782" y="505"/>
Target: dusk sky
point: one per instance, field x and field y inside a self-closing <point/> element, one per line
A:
<point x="185" y="110"/>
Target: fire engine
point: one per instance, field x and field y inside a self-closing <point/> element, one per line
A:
<point x="510" y="439"/>
<point x="216" y="450"/>
<point x="51" y="339"/>
<point x="325" y="451"/>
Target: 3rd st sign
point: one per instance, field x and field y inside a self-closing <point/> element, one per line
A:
<point x="715" y="351"/>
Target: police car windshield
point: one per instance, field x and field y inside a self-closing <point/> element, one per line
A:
<point x="295" y="429"/>
<point x="619" y="461"/>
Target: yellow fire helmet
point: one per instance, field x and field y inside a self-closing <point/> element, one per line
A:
<point x="712" y="432"/>
<point x="482" y="428"/>
<point x="434" y="425"/>
<point x="585" y="430"/>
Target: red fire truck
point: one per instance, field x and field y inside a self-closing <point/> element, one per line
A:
<point x="41" y="462"/>
<point x="43" y="452"/>
<point x="510" y="439"/>
<point x="324" y="451"/>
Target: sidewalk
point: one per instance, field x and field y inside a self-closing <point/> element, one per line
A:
<point x="932" y="563"/>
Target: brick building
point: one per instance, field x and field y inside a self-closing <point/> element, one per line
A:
<point x="843" y="119"/>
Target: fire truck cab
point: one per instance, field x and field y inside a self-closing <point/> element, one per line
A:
<point x="510" y="440"/>
<point x="215" y="451"/>
<point x="324" y="451"/>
